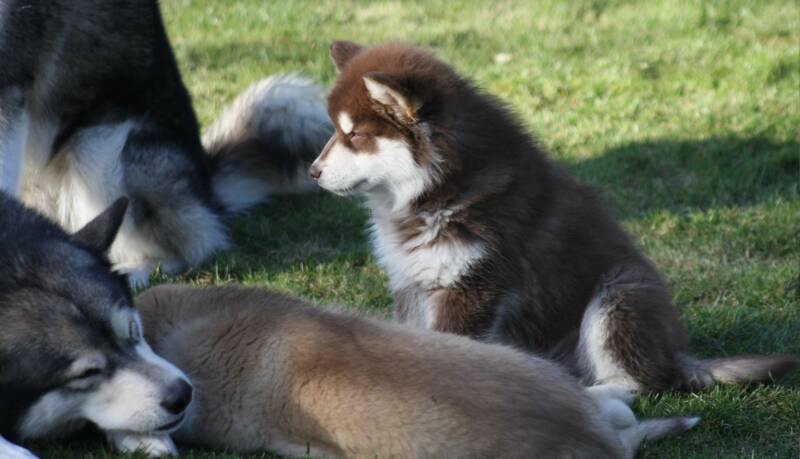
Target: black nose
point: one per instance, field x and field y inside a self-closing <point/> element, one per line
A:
<point x="178" y="396"/>
<point x="315" y="172"/>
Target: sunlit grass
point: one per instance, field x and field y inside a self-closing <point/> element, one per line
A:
<point x="686" y="115"/>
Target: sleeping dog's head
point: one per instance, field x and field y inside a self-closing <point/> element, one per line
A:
<point x="71" y="343"/>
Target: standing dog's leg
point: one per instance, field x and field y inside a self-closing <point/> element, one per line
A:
<point x="13" y="125"/>
<point x="9" y="450"/>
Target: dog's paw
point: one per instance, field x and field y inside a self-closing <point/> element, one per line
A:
<point x="9" y="450"/>
<point x="152" y="445"/>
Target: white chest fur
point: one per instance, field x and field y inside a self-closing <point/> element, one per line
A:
<point x="82" y="179"/>
<point x="424" y="263"/>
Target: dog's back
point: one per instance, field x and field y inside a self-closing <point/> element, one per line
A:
<point x="274" y="373"/>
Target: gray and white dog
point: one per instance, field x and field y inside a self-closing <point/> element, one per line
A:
<point x="71" y="344"/>
<point x="93" y="108"/>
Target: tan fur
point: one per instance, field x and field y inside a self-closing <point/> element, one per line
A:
<point x="272" y="372"/>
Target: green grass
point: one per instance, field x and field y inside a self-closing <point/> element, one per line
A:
<point x="687" y="114"/>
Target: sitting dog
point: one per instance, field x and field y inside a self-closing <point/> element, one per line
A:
<point x="71" y="344"/>
<point x="273" y="372"/>
<point x="92" y="108"/>
<point x="480" y="234"/>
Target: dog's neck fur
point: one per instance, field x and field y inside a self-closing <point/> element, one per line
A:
<point x="452" y="185"/>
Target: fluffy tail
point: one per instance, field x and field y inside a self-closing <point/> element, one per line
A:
<point x="701" y="374"/>
<point x="264" y="141"/>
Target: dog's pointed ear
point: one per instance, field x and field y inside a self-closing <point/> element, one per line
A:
<point x="391" y="93"/>
<point x="342" y="51"/>
<point x="99" y="234"/>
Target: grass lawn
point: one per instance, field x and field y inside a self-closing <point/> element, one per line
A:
<point x="687" y="114"/>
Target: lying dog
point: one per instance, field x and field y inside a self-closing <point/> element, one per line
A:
<point x="273" y="372"/>
<point x="480" y="234"/>
<point x="92" y="108"/>
<point x="71" y="344"/>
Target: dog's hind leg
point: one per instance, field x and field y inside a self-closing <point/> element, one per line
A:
<point x="630" y="336"/>
<point x="174" y="223"/>
<point x="9" y="450"/>
<point x="13" y="126"/>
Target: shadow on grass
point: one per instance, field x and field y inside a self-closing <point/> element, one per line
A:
<point x="739" y="330"/>
<point x="677" y="175"/>
<point x="640" y="177"/>
<point x="291" y="231"/>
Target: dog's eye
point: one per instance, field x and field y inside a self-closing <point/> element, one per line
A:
<point x="357" y="138"/>
<point x="89" y="372"/>
<point x="85" y="380"/>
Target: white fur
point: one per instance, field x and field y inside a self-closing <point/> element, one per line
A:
<point x="11" y="152"/>
<point x="151" y="445"/>
<point x="9" y="450"/>
<point x="615" y="411"/>
<point x="391" y="179"/>
<point x="130" y="400"/>
<point x="288" y="104"/>
<point x="594" y="357"/>
<point x="420" y="263"/>
<point x="137" y="255"/>
<point x="53" y="415"/>
<point x="345" y="123"/>
<point x="83" y="180"/>
<point x="240" y="192"/>
<point x="386" y="95"/>
<point x="389" y="174"/>
<point x="87" y="176"/>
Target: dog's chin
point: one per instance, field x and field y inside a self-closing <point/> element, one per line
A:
<point x="163" y="428"/>
<point x="341" y="191"/>
<point x="359" y="187"/>
<point x="171" y="426"/>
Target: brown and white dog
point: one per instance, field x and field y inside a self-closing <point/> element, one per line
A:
<point x="273" y="372"/>
<point x="480" y="234"/>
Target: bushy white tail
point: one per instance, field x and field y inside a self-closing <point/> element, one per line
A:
<point x="263" y="142"/>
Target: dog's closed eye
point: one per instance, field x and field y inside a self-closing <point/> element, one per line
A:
<point x="357" y="139"/>
<point x="89" y="372"/>
<point x="85" y="373"/>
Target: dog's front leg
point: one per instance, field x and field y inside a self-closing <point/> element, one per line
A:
<point x="9" y="450"/>
<point x="152" y="445"/>
<point x="13" y="128"/>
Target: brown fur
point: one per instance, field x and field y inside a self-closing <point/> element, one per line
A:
<point x="550" y="247"/>
<point x="272" y="372"/>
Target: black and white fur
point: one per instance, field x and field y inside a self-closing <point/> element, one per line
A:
<point x="92" y="108"/>
<point x="71" y="343"/>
